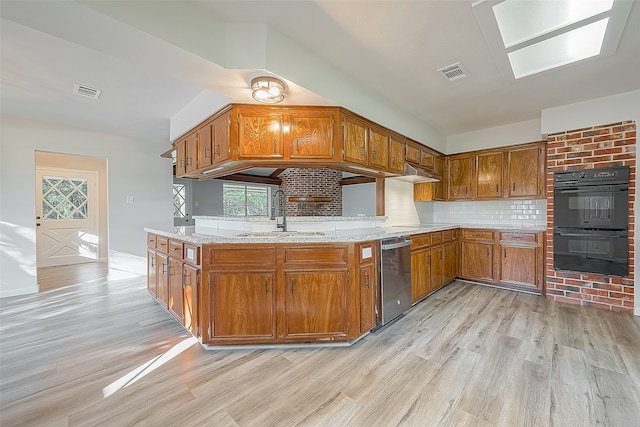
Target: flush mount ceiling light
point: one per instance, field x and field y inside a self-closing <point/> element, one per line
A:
<point x="268" y="90"/>
<point x="531" y="36"/>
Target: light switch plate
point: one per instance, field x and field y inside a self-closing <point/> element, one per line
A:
<point x="366" y="253"/>
<point x="129" y="200"/>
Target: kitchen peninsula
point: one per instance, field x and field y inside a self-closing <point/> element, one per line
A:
<point x="238" y="281"/>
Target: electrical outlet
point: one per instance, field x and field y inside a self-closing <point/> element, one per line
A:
<point x="129" y="200"/>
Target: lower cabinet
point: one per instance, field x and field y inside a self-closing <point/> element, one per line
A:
<point x="367" y="298"/>
<point x="243" y="305"/>
<point x="190" y="285"/>
<point x="477" y="255"/>
<point x="174" y="294"/>
<point x="162" y="278"/>
<point x="315" y="304"/>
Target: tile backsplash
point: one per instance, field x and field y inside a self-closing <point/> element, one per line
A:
<point x="513" y="213"/>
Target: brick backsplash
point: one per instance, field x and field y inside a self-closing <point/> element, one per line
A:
<point x="313" y="182"/>
<point x="511" y="213"/>
<point x="587" y="148"/>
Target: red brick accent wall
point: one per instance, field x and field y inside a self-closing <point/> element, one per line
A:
<point x="588" y="148"/>
<point x="313" y="182"/>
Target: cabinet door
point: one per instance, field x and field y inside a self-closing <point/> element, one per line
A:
<point x="175" y="297"/>
<point x="192" y="152"/>
<point x="151" y="272"/>
<point x="315" y="303"/>
<point x="426" y="159"/>
<point x="190" y="281"/>
<point x="378" y="149"/>
<point x="525" y="172"/>
<point x="367" y="298"/>
<point x="354" y="141"/>
<point x="477" y="261"/>
<point x="260" y="134"/>
<point x="518" y="265"/>
<point x="396" y="156"/>
<point x="437" y="268"/>
<point x="205" y="154"/>
<point x="181" y="158"/>
<point x="420" y="274"/>
<point x="459" y="178"/>
<point x="221" y="145"/>
<point x="242" y="305"/>
<point x="311" y="135"/>
<point x="412" y="154"/>
<point x="162" y="274"/>
<point x="438" y="165"/>
<point x="488" y="175"/>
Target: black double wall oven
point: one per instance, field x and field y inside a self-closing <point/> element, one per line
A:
<point x="591" y="221"/>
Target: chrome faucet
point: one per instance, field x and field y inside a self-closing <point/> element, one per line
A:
<point x="283" y="226"/>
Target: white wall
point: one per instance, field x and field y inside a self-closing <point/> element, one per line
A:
<point x="134" y="168"/>
<point x="601" y="111"/>
<point x="359" y="199"/>
<point x="501" y="136"/>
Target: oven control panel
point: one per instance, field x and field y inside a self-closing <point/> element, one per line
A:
<point x="602" y="175"/>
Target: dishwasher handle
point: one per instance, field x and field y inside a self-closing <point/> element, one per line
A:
<point x="394" y="245"/>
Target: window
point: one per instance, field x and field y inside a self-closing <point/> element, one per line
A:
<point x="245" y="200"/>
<point x="179" y="201"/>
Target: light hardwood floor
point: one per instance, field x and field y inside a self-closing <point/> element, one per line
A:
<point x="467" y="356"/>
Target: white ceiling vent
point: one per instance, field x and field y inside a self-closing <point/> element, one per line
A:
<point x="86" y="91"/>
<point x="454" y="72"/>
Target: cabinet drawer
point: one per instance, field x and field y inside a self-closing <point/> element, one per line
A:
<point x="151" y="240"/>
<point x="436" y="238"/>
<point x="447" y="235"/>
<point x="420" y="240"/>
<point x="192" y="253"/>
<point x="314" y="255"/>
<point x="242" y="256"/>
<point x="175" y="249"/>
<point x="162" y="244"/>
<point x="519" y="237"/>
<point x="477" y="235"/>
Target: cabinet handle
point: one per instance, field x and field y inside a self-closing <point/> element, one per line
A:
<point x="429" y="259"/>
<point x="514" y="186"/>
<point x="206" y="150"/>
<point x="496" y="188"/>
<point x="292" y="285"/>
<point x="466" y="189"/>
<point x="188" y="161"/>
<point x="266" y="286"/>
<point x="274" y="144"/>
<point x="182" y="162"/>
<point x="216" y="149"/>
<point x="163" y="268"/>
<point x="374" y="154"/>
<point x="487" y="251"/>
<point x="505" y="253"/>
<point x="185" y="276"/>
<point x="367" y="279"/>
<point x="153" y="261"/>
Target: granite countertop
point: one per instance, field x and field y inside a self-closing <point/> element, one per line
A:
<point x="349" y="235"/>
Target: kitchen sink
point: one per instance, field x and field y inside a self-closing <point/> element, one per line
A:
<point x="281" y="234"/>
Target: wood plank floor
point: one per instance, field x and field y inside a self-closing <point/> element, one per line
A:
<point x="104" y="353"/>
<point x="64" y="275"/>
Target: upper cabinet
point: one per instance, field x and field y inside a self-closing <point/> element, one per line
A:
<point x="311" y="134"/>
<point x="378" y="148"/>
<point x="396" y="155"/>
<point x="220" y="147"/>
<point x="489" y="168"/>
<point x="526" y="172"/>
<point x="459" y="177"/>
<point x="260" y="133"/>
<point x="354" y="140"/>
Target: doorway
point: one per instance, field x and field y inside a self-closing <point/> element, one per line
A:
<point x="71" y="219"/>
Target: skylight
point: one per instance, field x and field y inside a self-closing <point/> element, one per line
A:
<point x="531" y="36"/>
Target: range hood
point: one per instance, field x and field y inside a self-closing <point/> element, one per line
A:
<point x="412" y="174"/>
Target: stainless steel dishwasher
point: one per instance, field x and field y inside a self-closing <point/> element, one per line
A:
<point x="395" y="278"/>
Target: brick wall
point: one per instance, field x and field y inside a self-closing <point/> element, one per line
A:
<point x="588" y="148"/>
<point x="313" y="182"/>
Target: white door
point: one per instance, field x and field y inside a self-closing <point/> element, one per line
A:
<point x="66" y="217"/>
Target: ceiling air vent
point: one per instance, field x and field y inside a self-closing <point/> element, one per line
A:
<point x="86" y="91"/>
<point x="454" y="72"/>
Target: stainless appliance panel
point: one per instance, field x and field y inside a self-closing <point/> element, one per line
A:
<point x="395" y="280"/>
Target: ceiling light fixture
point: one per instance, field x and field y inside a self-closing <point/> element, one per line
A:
<point x="268" y="90"/>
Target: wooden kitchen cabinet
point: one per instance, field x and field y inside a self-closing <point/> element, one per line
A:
<point x="260" y="133"/>
<point x="315" y="304"/>
<point x="477" y="255"/>
<point x="427" y="159"/>
<point x="191" y="147"/>
<point x="412" y="154"/>
<point x="175" y="297"/>
<point x="459" y="177"/>
<point x="181" y="158"/>
<point x="526" y="172"/>
<point x="204" y="136"/>
<point x="242" y="305"/>
<point x="311" y="134"/>
<point x="354" y="140"/>
<point x="368" y="278"/>
<point x="220" y="142"/>
<point x="378" y="149"/>
<point x="152" y="277"/>
<point x="190" y="285"/>
<point x="488" y="175"/>
<point x="420" y="266"/>
<point x="520" y="260"/>
<point x="396" y="155"/>
<point x="162" y="278"/>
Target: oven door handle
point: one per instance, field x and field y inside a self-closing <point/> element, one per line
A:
<point x="600" y="236"/>
<point x="589" y="189"/>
